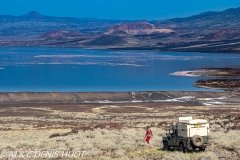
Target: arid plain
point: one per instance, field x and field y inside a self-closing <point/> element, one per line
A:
<point x="112" y="125"/>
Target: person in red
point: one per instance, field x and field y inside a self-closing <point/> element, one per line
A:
<point x="148" y="135"/>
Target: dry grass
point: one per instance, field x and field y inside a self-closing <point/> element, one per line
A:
<point x="105" y="134"/>
<point x="126" y="143"/>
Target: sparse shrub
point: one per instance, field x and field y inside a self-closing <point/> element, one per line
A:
<point x="74" y="130"/>
<point x="54" y="135"/>
<point x="209" y="156"/>
<point x="176" y="156"/>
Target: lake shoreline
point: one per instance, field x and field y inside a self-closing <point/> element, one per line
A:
<point x="200" y="98"/>
<point x="23" y="43"/>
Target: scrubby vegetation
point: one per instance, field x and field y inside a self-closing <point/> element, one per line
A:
<point x="116" y="132"/>
<point x="126" y="143"/>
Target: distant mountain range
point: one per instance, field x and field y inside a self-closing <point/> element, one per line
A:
<point x="227" y="18"/>
<point x="205" y="32"/>
<point x="33" y="24"/>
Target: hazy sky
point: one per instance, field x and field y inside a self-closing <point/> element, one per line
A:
<point x="116" y="9"/>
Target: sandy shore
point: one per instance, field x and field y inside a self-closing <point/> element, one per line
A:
<point x="112" y="125"/>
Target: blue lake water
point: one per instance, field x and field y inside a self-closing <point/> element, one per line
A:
<point x="83" y="70"/>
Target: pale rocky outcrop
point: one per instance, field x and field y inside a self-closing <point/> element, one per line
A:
<point x="140" y="27"/>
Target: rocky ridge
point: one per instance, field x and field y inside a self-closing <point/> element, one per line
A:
<point x="135" y="28"/>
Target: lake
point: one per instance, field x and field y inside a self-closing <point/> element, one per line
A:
<point x="40" y="69"/>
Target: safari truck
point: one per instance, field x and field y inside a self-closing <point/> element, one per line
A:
<point x="187" y="134"/>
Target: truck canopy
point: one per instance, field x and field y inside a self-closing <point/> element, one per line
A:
<point x="188" y="127"/>
<point x="189" y="120"/>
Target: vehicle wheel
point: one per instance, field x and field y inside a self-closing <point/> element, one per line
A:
<point x="202" y="148"/>
<point x="182" y="148"/>
<point x="197" y="140"/>
<point x="165" y="146"/>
